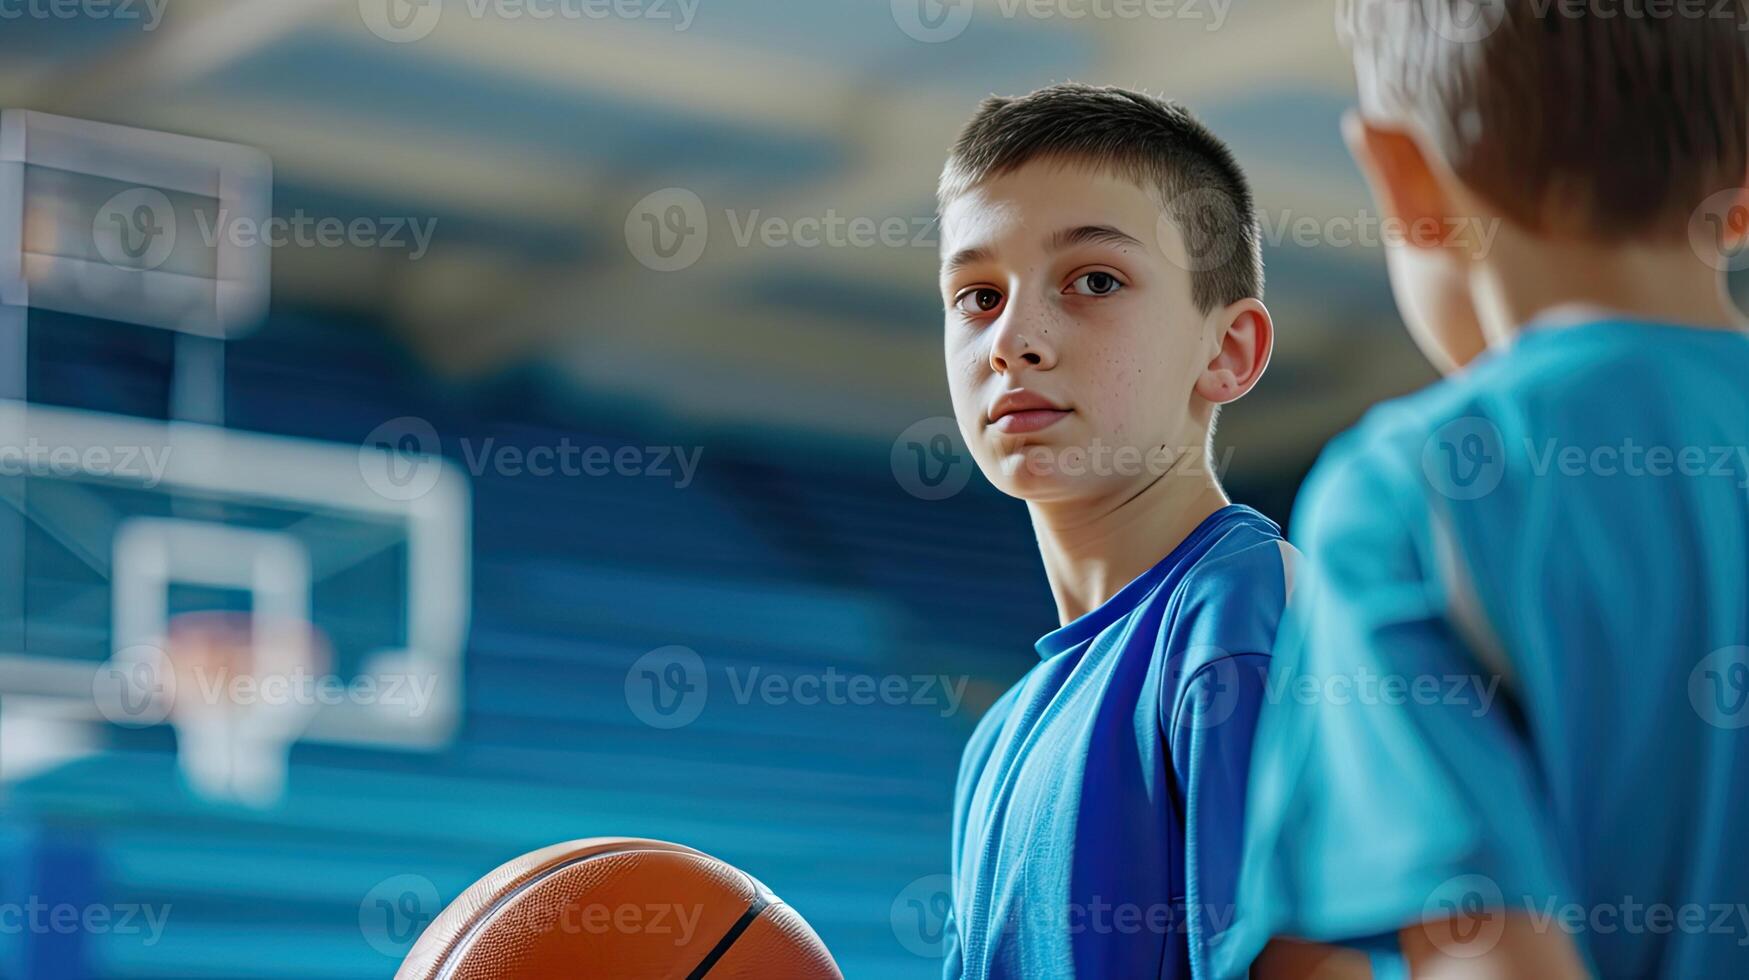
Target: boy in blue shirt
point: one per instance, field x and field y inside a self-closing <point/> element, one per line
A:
<point x="1102" y="278"/>
<point x="1564" y="520"/>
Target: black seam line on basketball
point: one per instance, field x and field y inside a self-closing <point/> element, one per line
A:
<point x="722" y="947"/>
<point x="450" y="962"/>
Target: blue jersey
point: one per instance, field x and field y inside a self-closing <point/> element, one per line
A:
<point x="1097" y="816"/>
<point x="1515" y="674"/>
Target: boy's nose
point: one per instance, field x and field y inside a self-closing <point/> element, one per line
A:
<point x="1021" y="341"/>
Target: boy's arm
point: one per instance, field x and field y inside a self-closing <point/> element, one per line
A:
<point x="1290" y="959"/>
<point x="1215" y="723"/>
<point x="1519" y="951"/>
<point x="1394" y="783"/>
<point x="1434" y="950"/>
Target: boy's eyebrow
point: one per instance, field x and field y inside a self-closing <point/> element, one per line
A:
<point x="965" y="257"/>
<point x="1083" y="235"/>
<point x="1091" y="235"/>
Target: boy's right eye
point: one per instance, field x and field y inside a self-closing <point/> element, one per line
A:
<point x="978" y="300"/>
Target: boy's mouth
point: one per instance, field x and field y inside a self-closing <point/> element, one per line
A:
<point x="1031" y="421"/>
<point x="1025" y="411"/>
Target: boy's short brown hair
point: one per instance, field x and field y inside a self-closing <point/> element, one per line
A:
<point x="1155" y="143"/>
<point x="1609" y="119"/>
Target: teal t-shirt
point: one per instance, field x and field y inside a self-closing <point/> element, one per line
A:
<point x="1515" y="672"/>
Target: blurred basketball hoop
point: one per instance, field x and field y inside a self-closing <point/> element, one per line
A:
<point x="302" y="594"/>
<point x="208" y="521"/>
<point x="238" y="688"/>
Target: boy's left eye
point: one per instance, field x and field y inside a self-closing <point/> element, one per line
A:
<point x="1096" y="284"/>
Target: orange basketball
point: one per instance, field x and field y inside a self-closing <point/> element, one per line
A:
<point x="618" y="907"/>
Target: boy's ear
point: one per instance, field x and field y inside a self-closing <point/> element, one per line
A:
<point x="1246" y="337"/>
<point x="1403" y="180"/>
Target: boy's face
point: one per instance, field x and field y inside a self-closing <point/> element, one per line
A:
<point x="1073" y="346"/>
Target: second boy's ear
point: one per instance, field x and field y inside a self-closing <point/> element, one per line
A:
<point x="1246" y="337"/>
<point x="1420" y="198"/>
<point x="1403" y="180"/>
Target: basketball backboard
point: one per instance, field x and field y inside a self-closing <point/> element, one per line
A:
<point x="128" y="523"/>
<point x="132" y="225"/>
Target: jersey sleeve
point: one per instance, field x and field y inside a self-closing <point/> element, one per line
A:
<point x="1220" y="646"/>
<point x="1392" y="780"/>
<point x="1213" y="739"/>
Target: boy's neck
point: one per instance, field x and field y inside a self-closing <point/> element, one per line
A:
<point x="1526" y="279"/>
<point x="1093" y="548"/>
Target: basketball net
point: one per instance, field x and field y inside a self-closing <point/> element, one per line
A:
<point x="242" y="689"/>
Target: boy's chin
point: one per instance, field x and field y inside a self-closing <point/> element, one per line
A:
<point x="1015" y="476"/>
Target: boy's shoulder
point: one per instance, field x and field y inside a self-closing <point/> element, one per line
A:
<point x="1239" y="542"/>
<point x="1245" y="562"/>
<point x="1552" y="372"/>
<point x="1459" y="456"/>
<point x="1229" y="601"/>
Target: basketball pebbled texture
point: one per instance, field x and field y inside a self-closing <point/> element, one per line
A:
<point x="613" y="908"/>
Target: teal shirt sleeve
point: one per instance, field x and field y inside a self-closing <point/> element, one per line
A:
<point x="1392" y="782"/>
